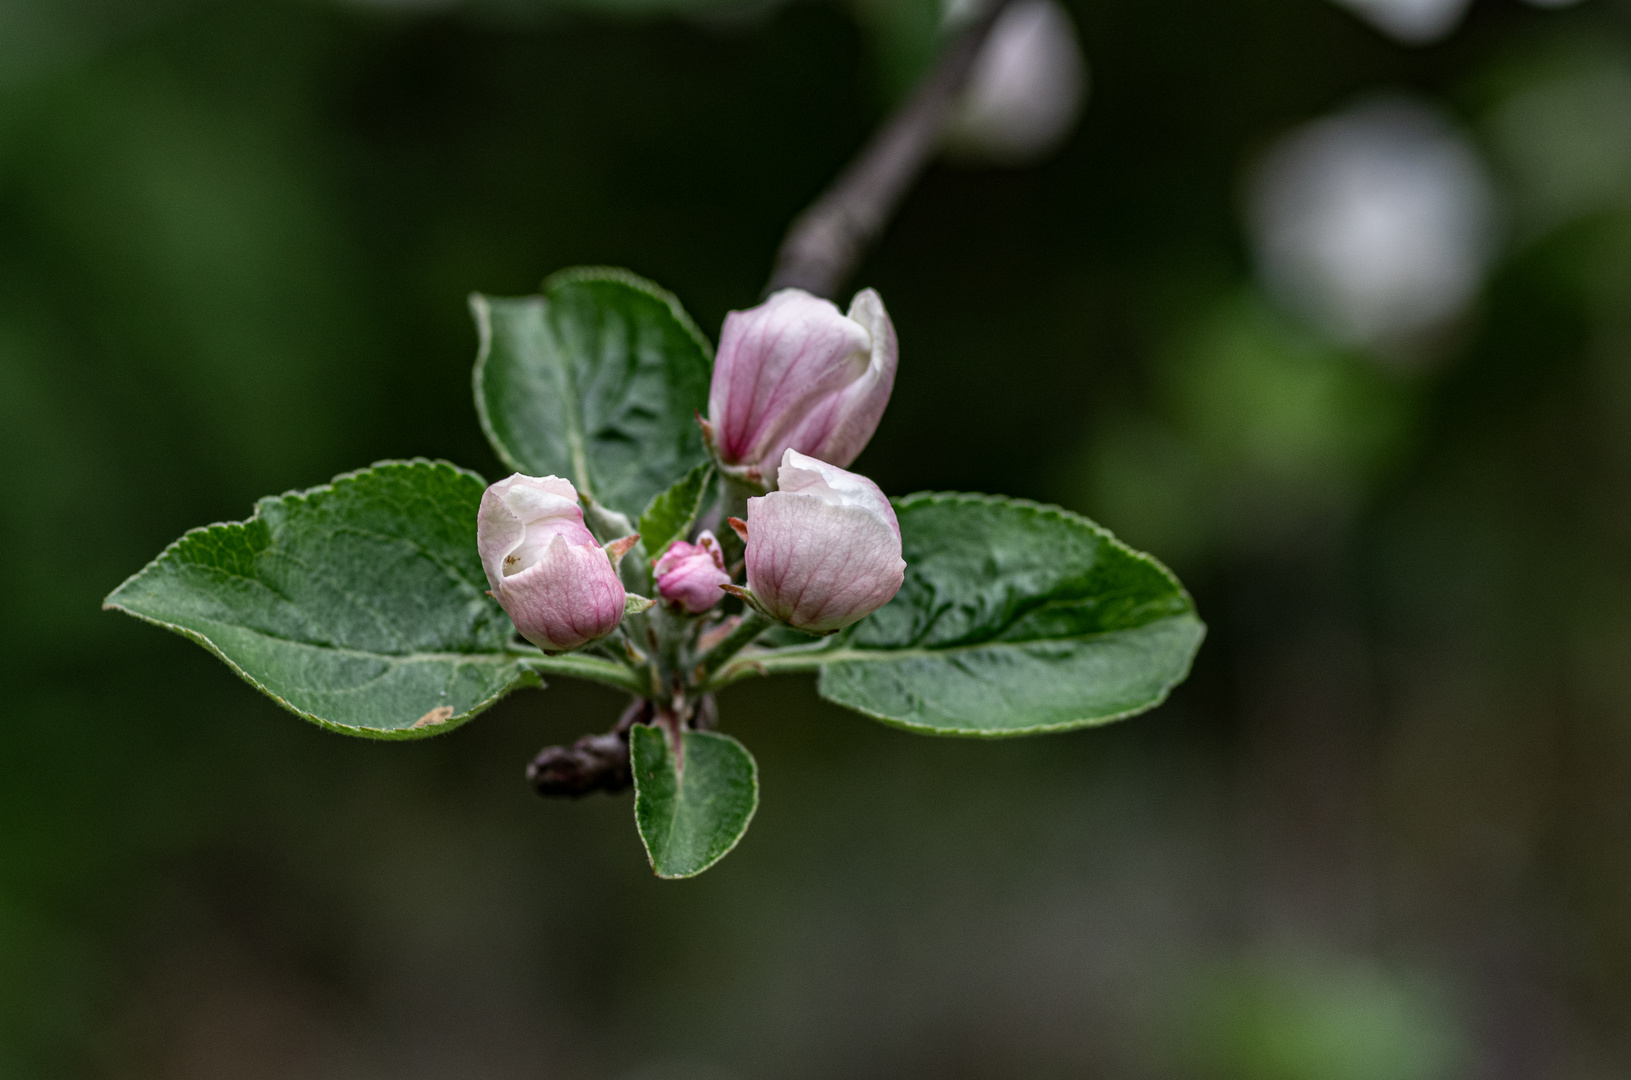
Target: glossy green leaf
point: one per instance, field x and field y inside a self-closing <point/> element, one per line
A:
<point x="671" y="514"/>
<point x="1014" y="619"/>
<point x="691" y="813"/>
<point x="360" y="605"/>
<point x="599" y="380"/>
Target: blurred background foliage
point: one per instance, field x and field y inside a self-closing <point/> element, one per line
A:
<point x="1329" y="307"/>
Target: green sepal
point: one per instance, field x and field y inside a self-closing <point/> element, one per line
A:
<point x="669" y="516"/>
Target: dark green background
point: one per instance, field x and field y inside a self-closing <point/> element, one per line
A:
<point x="1384" y="832"/>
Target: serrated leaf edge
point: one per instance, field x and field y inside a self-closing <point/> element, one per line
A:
<point x="527" y="678"/>
<point x="905" y="502"/>
<point x="574" y="274"/>
<point x="302" y="494"/>
<point x="883" y="656"/>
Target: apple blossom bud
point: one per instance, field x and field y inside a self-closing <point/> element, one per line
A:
<point x="823" y="550"/>
<point x="544" y="565"/>
<point x="690" y="574"/>
<point x="795" y="373"/>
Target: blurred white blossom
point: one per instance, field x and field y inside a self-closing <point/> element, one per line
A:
<point x="1415" y="22"/>
<point x="1026" y="89"/>
<point x="1375" y="224"/>
<point x="1421" y="22"/>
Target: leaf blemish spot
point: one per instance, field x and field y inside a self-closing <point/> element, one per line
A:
<point x="440" y="715"/>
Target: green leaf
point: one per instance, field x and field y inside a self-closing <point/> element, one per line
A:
<point x="691" y="813"/>
<point x="671" y="514"/>
<point x="598" y="380"/>
<point x="360" y="605"/>
<point x="1015" y="619"/>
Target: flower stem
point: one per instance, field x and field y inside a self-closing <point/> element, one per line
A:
<point x="826" y="242"/>
<point x="752" y="625"/>
<point x="785" y="661"/>
<point x="582" y="666"/>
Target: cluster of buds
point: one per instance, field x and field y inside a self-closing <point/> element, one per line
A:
<point x="798" y="389"/>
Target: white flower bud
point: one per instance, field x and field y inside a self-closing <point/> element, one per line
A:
<point x="690" y="574"/>
<point x="545" y="567"/>
<point x="823" y="550"/>
<point x="797" y="373"/>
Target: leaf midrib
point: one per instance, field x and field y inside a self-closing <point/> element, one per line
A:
<point x="679" y="789"/>
<point x="679" y="797"/>
<point x="570" y="405"/>
<point x="382" y="620"/>
<point x="849" y="655"/>
<point x="487" y="656"/>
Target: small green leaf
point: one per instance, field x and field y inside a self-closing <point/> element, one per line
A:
<point x="598" y="380"/>
<point x="360" y="605"/>
<point x="691" y="813"/>
<point x="1014" y="619"/>
<point x="634" y="603"/>
<point x="670" y="515"/>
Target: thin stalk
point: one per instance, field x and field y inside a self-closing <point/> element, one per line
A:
<point x="582" y="666"/>
<point x="672" y="630"/>
<point x="752" y="625"/>
<point x="826" y="242"/>
<point x="788" y="661"/>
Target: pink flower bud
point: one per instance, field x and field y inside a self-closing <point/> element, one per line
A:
<point x="690" y="574"/>
<point x="795" y="373"/>
<point x="544" y="565"/>
<point x="824" y="548"/>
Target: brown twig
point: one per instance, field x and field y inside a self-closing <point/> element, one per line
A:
<point x="601" y="762"/>
<point x="593" y="763"/>
<point x="826" y="242"/>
